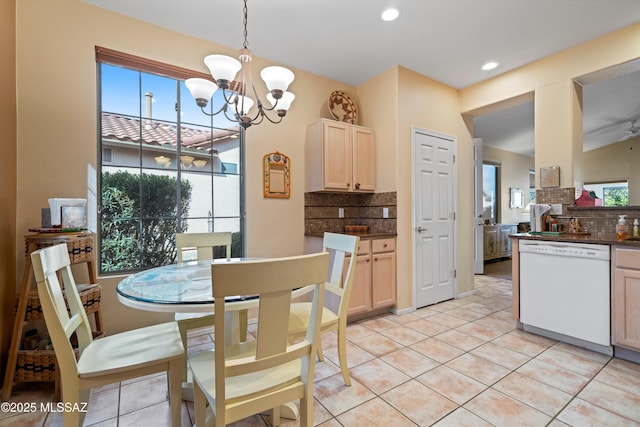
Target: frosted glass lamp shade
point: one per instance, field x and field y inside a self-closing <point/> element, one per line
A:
<point x="283" y="103"/>
<point x="277" y="79"/>
<point x="223" y="68"/>
<point x="201" y="89"/>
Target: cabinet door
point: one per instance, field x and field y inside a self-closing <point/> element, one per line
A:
<point x="626" y="308"/>
<point x="337" y="151"/>
<point x="361" y="288"/>
<point x="364" y="171"/>
<point x="505" y="241"/>
<point x="490" y="242"/>
<point x="383" y="277"/>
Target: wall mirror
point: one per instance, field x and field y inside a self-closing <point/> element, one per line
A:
<point x="517" y="198"/>
<point x="276" y="175"/>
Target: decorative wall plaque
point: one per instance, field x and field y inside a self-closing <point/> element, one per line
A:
<point x="276" y="175"/>
<point x="550" y="177"/>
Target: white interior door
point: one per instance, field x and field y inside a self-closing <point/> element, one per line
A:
<point x="478" y="220"/>
<point x="434" y="217"/>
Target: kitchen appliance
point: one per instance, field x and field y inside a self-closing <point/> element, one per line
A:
<point x="565" y="292"/>
<point x="536" y="214"/>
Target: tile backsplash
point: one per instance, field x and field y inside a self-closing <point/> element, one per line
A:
<point x="321" y="211"/>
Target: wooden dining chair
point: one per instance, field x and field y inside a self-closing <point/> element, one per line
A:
<point x="343" y="249"/>
<point x="107" y="360"/>
<point x="204" y="245"/>
<point x="240" y="380"/>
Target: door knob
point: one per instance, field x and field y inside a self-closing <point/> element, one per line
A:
<point x="420" y="229"/>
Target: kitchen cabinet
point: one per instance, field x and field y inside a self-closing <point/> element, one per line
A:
<point x="496" y="240"/>
<point x="339" y="157"/>
<point x="374" y="282"/>
<point x="625" y="298"/>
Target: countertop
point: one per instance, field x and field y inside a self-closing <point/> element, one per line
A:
<point x="361" y="235"/>
<point x="578" y="238"/>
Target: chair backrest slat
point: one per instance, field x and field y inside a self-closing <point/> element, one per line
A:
<point x="340" y="280"/>
<point x="203" y="243"/>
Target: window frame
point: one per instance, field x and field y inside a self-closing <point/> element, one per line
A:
<point x="149" y="66"/>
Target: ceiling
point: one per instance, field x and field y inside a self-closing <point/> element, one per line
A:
<point x="447" y="40"/>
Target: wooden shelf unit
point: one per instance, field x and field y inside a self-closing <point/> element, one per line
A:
<point x="80" y="246"/>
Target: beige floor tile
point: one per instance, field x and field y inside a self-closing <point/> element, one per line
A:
<point x="562" y="379"/>
<point x="501" y="355"/>
<point x="534" y="393"/>
<point x="460" y="340"/>
<point x="427" y="326"/>
<point x="479" y="369"/>
<point x="378" y="324"/>
<point x="143" y="394"/>
<point x="516" y="342"/>
<point x="355" y="355"/>
<point x="619" y="379"/>
<point x="496" y="321"/>
<point x="377" y="344"/>
<point x="356" y="330"/>
<point x="582" y="414"/>
<point x="625" y="366"/>
<point x="502" y="410"/>
<point x="447" y="320"/>
<point x="329" y="339"/>
<point x="583" y="352"/>
<point x="378" y="376"/>
<point x="557" y="423"/>
<point x="325" y="369"/>
<point x="404" y="335"/>
<point x="480" y="308"/>
<point x="571" y="361"/>
<point x="452" y="384"/>
<point x="612" y="399"/>
<point x="338" y="398"/>
<point x="375" y="412"/>
<point x="419" y="403"/>
<point x="103" y="406"/>
<point x="479" y="331"/>
<point x="403" y="318"/>
<point x="437" y="350"/>
<point x="462" y="418"/>
<point x="155" y="415"/>
<point x="465" y="313"/>
<point x="410" y="362"/>
<point x="330" y="423"/>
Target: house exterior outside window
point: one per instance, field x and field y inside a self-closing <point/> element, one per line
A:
<point x="164" y="167"/>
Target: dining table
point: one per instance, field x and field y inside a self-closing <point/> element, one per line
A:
<point x="187" y="288"/>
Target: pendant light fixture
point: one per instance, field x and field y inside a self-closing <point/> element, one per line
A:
<point x="237" y="93"/>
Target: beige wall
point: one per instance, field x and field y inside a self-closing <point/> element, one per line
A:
<point x="616" y="161"/>
<point x="8" y="250"/>
<point x="514" y="172"/>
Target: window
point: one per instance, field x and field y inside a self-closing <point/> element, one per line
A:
<point x="612" y="193"/>
<point x="490" y="192"/>
<point x="170" y="168"/>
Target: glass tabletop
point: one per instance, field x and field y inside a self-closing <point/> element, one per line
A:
<point x="185" y="284"/>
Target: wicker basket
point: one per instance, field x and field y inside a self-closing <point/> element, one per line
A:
<point x="80" y="246"/>
<point x="89" y="295"/>
<point x="37" y="365"/>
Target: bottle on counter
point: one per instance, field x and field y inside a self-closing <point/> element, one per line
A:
<point x="635" y="228"/>
<point x="621" y="228"/>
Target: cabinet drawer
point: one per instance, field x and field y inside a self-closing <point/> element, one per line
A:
<point x="628" y="258"/>
<point x="383" y="245"/>
<point x="364" y="247"/>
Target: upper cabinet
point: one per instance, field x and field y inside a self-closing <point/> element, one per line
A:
<point x="340" y="157"/>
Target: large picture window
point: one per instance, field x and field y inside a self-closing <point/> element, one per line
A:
<point x="165" y="167"/>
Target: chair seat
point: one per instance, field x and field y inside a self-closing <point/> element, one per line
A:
<point x="242" y="385"/>
<point x="299" y="318"/>
<point x="126" y="350"/>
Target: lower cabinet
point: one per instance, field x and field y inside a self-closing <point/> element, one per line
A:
<point x="625" y="295"/>
<point x="374" y="282"/>
<point x="497" y="243"/>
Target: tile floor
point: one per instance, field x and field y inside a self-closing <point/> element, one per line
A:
<point x="458" y="363"/>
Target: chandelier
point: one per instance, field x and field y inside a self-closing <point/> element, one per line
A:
<point x="224" y="69"/>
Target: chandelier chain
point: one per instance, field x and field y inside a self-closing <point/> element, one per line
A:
<point x="244" y="21"/>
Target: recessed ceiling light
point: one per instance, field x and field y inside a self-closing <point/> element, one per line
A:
<point x="390" y="14"/>
<point x="489" y="66"/>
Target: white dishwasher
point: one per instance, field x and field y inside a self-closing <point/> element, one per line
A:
<point x="565" y="292"/>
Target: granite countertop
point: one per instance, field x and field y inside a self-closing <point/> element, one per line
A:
<point x="578" y="238"/>
<point x="370" y="235"/>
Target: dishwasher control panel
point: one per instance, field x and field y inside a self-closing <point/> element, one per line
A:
<point x="579" y="250"/>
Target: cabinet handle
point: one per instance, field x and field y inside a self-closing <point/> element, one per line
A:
<point x="385" y="245"/>
<point x="357" y="185"/>
<point x="375" y="259"/>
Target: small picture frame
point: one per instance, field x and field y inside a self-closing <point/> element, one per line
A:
<point x="276" y="175"/>
<point x="550" y="177"/>
<point x="73" y="217"/>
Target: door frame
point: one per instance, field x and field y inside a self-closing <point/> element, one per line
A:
<point x="414" y="240"/>
<point x="478" y="220"/>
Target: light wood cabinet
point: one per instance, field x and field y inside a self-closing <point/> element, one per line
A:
<point x="339" y="157"/>
<point x="625" y="299"/>
<point x="490" y="241"/>
<point x="497" y="243"/>
<point x="374" y="282"/>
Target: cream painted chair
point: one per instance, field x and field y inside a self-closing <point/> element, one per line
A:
<point x="338" y="289"/>
<point x="106" y="360"/>
<point x="239" y="380"/>
<point x="203" y="244"/>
